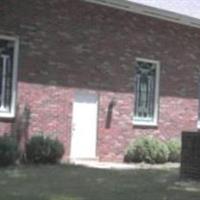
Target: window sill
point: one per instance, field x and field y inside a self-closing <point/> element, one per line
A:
<point x="143" y="123"/>
<point x="7" y="115"/>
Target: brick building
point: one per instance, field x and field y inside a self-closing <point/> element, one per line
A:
<point x="96" y="77"/>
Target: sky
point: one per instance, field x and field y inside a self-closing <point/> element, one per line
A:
<point x="185" y="7"/>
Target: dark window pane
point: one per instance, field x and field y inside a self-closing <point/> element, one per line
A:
<point x="6" y="69"/>
<point x="145" y="91"/>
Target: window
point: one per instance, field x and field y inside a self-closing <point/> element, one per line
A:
<point x="8" y="75"/>
<point x="146" y="92"/>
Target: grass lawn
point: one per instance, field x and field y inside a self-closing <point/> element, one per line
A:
<point x="79" y="183"/>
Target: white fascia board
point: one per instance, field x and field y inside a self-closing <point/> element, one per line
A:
<point x="149" y="11"/>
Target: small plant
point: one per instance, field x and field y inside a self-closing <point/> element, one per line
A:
<point x="43" y="150"/>
<point x="19" y="128"/>
<point x="174" y="146"/>
<point x="8" y="150"/>
<point x="147" y="149"/>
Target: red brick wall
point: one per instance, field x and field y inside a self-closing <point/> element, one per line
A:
<point x="67" y="44"/>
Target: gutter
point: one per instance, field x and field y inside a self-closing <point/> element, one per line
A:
<point x="149" y="11"/>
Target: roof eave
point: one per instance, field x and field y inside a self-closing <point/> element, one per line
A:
<point x="149" y="11"/>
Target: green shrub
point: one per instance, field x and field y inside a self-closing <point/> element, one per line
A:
<point x="8" y="151"/>
<point x="43" y="150"/>
<point x="162" y="153"/>
<point x="147" y="149"/>
<point x="174" y="146"/>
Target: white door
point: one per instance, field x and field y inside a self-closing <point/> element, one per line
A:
<point x="84" y="125"/>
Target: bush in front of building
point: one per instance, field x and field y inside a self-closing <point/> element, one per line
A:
<point x="147" y="149"/>
<point x="174" y="146"/>
<point x="8" y="150"/>
<point x="44" y="150"/>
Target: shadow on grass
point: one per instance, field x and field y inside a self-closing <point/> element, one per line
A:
<point x="79" y="183"/>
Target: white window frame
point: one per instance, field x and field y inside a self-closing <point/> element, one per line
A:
<point x="198" y="124"/>
<point x="12" y="112"/>
<point x="142" y="122"/>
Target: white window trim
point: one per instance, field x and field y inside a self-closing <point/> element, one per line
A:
<point x="139" y="121"/>
<point x="198" y="124"/>
<point x="12" y="112"/>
